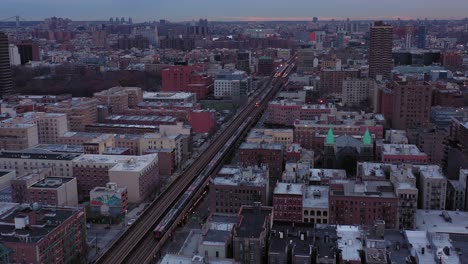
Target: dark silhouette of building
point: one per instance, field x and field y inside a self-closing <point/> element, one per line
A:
<point x="380" y="50"/>
<point x="265" y="65"/>
<point x="29" y="51"/>
<point x="416" y="58"/>
<point x="452" y="61"/>
<point x="244" y="58"/>
<point x="198" y="29"/>
<point x="185" y="44"/>
<point x="422" y="37"/>
<point x="6" y="84"/>
<point x="138" y="41"/>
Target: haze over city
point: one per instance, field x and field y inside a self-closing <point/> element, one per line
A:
<point x="244" y="10"/>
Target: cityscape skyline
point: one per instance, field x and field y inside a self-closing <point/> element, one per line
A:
<point x="144" y="10"/>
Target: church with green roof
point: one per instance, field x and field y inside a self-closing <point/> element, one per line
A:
<point x="344" y="151"/>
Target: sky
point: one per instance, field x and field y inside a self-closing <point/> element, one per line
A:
<point x="233" y="10"/>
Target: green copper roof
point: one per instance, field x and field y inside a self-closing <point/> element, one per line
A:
<point x="367" y="139"/>
<point x="330" y="137"/>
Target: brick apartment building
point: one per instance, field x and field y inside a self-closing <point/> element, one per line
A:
<point x="287" y="202"/>
<point x="44" y="235"/>
<point x="187" y="78"/>
<point x="271" y="155"/>
<point x="362" y="203"/>
<point x="235" y="186"/>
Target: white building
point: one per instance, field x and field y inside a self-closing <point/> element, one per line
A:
<point x="232" y="83"/>
<point x="138" y="173"/>
<point x="28" y="161"/>
<point x="15" y="58"/>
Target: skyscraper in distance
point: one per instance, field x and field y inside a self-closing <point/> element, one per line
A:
<point x="422" y="37"/>
<point x="6" y="84"/>
<point x="380" y="50"/>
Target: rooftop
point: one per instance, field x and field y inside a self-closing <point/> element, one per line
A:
<point x="214" y="237"/>
<point x="124" y="126"/>
<point x="320" y="174"/>
<point x="402" y="149"/>
<point x="349" y="241"/>
<point x="130" y="118"/>
<point x="238" y="176"/>
<point x="438" y="221"/>
<point x="166" y="96"/>
<point x="253" y="221"/>
<point x="46" y="219"/>
<point x="430" y="171"/>
<point x="272" y="146"/>
<point x="88" y="135"/>
<point x="289" y="188"/>
<point x="382" y="189"/>
<point x="37" y="154"/>
<point x="120" y="162"/>
<point x="61" y="148"/>
<point x="51" y="182"/>
<point x="315" y="197"/>
<point x="182" y="259"/>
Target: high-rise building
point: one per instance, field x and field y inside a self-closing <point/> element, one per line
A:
<point x="244" y="59"/>
<point x="29" y="51"/>
<point x="14" y="55"/>
<point x="380" y="50"/>
<point x="412" y="104"/>
<point x="6" y="84"/>
<point x="422" y="37"/>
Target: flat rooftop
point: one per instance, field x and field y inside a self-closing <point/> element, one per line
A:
<point x="315" y="197"/>
<point x="166" y="96"/>
<point x="238" y="176"/>
<point x="371" y="169"/>
<point x="46" y="220"/>
<point x="61" y="148"/>
<point x="382" y="189"/>
<point x="320" y="174"/>
<point x="182" y="259"/>
<point x="349" y="242"/>
<point x="289" y="188"/>
<point x="253" y="220"/>
<point x="431" y="171"/>
<point x="130" y="118"/>
<point x="272" y="146"/>
<point x="51" y="182"/>
<point x="434" y="221"/>
<point x="37" y="154"/>
<point x="88" y="135"/>
<point x="120" y="162"/>
<point x="124" y="126"/>
<point x="402" y="149"/>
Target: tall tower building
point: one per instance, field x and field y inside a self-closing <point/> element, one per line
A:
<point x="6" y="84"/>
<point x="422" y="37"/>
<point x="380" y="50"/>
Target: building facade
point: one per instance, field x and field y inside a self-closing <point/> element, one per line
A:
<point x="380" y="50"/>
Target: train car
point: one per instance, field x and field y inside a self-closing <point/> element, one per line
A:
<point x="163" y="226"/>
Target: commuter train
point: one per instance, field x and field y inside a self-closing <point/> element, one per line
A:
<point x="184" y="200"/>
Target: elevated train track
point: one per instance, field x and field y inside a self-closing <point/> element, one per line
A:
<point x="138" y="244"/>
